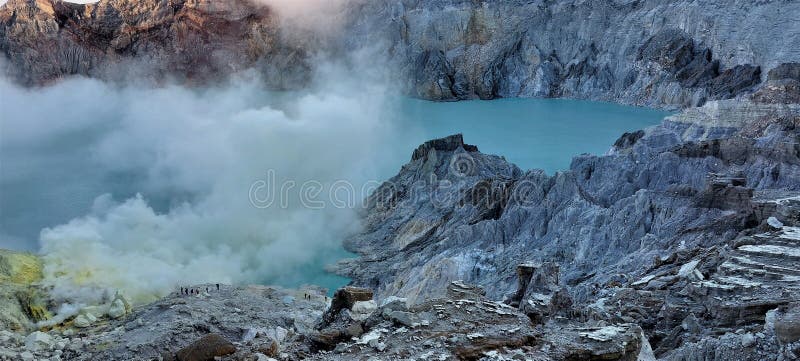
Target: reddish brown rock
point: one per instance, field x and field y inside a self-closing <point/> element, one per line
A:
<point x="191" y="41"/>
<point x="206" y="348"/>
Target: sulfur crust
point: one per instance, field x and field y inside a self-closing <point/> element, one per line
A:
<point x="20" y="268"/>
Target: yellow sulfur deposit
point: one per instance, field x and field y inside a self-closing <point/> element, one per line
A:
<point x="19" y="268"/>
<point x="21" y="299"/>
<point x="32" y="302"/>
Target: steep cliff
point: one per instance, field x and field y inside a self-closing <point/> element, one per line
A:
<point x="684" y="211"/>
<point x="649" y="52"/>
<point x="191" y="41"/>
<point x="640" y="52"/>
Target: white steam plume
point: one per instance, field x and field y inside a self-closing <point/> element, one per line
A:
<point x="310" y="18"/>
<point x="210" y="145"/>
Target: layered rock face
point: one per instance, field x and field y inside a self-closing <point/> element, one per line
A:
<point x="640" y="52"/>
<point x="192" y="41"/>
<point x="651" y="52"/>
<point x="694" y="218"/>
<point x="682" y="242"/>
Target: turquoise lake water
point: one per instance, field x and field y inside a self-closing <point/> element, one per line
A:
<point x="532" y="133"/>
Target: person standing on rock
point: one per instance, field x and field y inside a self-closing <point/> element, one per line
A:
<point x="217" y="286"/>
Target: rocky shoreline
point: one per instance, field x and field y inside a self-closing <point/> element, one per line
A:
<point x="681" y="243"/>
<point x="687" y="229"/>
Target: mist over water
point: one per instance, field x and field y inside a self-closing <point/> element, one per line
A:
<point x="145" y="189"/>
<point x="156" y="181"/>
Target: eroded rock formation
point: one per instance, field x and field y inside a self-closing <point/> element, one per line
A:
<point x="639" y="52"/>
<point x="692" y="219"/>
<point x="191" y="41"/>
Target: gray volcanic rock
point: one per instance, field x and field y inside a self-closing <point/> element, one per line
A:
<point x="787" y="323"/>
<point x="649" y="52"/>
<point x="705" y="182"/>
<point x="241" y="324"/>
<point x="785" y="71"/>
<point x="206" y="349"/>
<point x="249" y="318"/>
<point x="682" y="240"/>
<point x="345" y="298"/>
<point x="734" y="81"/>
<point x="652" y="52"/>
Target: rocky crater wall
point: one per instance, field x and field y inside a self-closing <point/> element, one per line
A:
<point x="646" y="52"/>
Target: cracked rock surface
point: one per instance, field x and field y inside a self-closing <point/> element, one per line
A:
<point x="652" y="52"/>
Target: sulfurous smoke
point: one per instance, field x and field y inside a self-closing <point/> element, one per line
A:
<point x="183" y="177"/>
<point x="314" y="15"/>
<point x="201" y="153"/>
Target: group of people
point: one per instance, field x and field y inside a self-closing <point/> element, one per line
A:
<point x="194" y="291"/>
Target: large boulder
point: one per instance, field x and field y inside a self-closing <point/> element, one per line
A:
<point x="344" y="299"/>
<point x="361" y="310"/>
<point x="119" y="306"/>
<point x="84" y="320"/>
<point x="206" y="349"/>
<point x="787" y="323"/>
<point x="535" y="277"/>
<point x="38" y="341"/>
<point x="343" y="320"/>
<point x="117" y="309"/>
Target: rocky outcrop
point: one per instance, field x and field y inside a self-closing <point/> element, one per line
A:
<point x="263" y="323"/>
<point x="650" y="52"/>
<point x="344" y="318"/>
<point x="22" y="302"/>
<point x="681" y="241"/>
<point x="189" y="41"/>
<point x="786" y="323"/>
<point x="344" y="299"/>
<point x="683" y="212"/>
<point x="19" y="268"/>
<point x="233" y="323"/>
<point x="207" y="348"/>
<point x="639" y="52"/>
